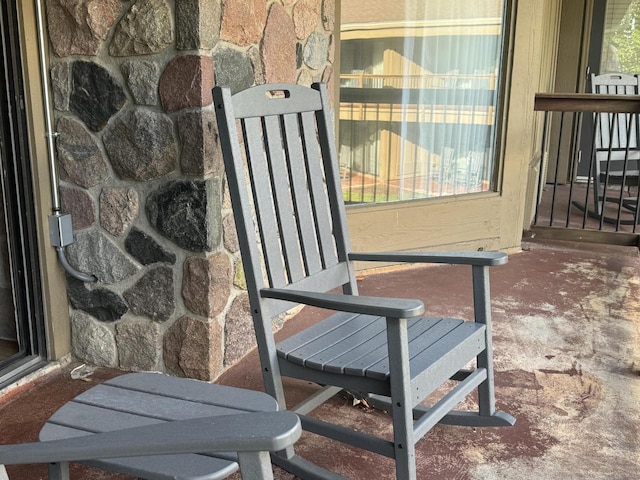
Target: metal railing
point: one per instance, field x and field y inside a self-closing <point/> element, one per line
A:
<point x="419" y="81"/>
<point x="413" y="143"/>
<point x="587" y="175"/>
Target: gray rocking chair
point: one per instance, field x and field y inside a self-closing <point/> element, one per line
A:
<point x="157" y="427"/>
<point x="283" y="176"/>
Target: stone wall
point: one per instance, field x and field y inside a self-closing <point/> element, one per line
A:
<point x="141" y="171"/>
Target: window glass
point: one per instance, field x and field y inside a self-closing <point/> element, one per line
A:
<point x="621" y="39"/>
<point x="418" y="97"/>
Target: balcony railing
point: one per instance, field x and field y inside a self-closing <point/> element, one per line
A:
<point x="419" y="81"/>
<point x="587" y="171"/>
<point x="413" y="143"/>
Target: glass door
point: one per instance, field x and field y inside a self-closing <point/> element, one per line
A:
<point x="9" y="345"/>
<point x="21" y="315"/>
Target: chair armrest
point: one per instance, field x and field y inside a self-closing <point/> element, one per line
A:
<point x="459" y="258"/>
<point x="382" y="306"/>
<point x="246" y="432"/>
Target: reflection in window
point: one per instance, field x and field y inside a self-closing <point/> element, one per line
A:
<point x="621" y="39"/>
<point x="8" y="330"/>
<point x="418" y="97"/>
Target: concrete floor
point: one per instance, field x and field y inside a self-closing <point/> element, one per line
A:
<point x="567" y="359"/>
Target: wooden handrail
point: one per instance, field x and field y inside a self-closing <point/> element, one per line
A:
<point x="586" y="102"/>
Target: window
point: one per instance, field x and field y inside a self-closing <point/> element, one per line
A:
<point x="621" y="39"/>
<point x="418" y="97"/>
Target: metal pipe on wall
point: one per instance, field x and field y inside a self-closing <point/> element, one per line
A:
<point x="60" y="229"/>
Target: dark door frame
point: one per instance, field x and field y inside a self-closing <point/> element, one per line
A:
<point x="18" y="202"/>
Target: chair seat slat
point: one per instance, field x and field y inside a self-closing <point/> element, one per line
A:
<point x="76" y="419"/>
<point x="431" y="348"/>
<point x="146" y="404"/>
<point x="195" y="391"/>
<point x="313" y="333"/>
<point x="370" y="331"/>
<point x="348" y="334"/>
<point x="353" y="353"/>
<point x="358" y="345"/>
<point x="415" y="330"/>
<point x="91" y="418"/>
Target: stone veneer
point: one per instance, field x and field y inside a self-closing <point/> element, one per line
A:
<point x="141" y="170"/>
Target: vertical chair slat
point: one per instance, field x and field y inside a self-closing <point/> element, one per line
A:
<point x="326" y="140"/>
<point x="301" y="199"/>
<point x="322" y="214"/>
<point x="332" y="175"/>
<point x="274" y="144"/>
<point x="263" y="201"/>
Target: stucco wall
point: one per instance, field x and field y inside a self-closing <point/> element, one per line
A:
<point x="141" y="171"/>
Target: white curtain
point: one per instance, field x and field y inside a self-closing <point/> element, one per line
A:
<point x="420" y="94"/>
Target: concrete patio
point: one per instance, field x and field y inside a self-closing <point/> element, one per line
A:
<point x="567" y="357"/>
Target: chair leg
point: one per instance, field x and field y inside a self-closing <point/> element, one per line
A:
<point x="486" y="390"/>
<point x="302" y="468"/>
<point x="404" y="445"/>
<point x="255" y="465"/>
<point x="481" y="299"/>
<point x="59" y="471"/>
<point x="402" y="407"/>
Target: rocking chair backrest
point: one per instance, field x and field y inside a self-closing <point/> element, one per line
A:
<point x="616" y="131"/>
<point x="280" y="159"/>
<point x="617" y="150"/>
